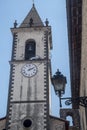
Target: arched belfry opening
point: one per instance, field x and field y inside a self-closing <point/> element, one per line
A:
<point x="73" y="115"/>
<point x="30" y="49"/>
<point x="70" y="118"/>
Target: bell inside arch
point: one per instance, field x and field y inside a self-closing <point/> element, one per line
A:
<point x="30" y="48"/>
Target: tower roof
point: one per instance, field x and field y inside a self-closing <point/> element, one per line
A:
<point x="32" y="19"/>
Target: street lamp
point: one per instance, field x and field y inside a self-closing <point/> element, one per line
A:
<point x="59" y="82"/>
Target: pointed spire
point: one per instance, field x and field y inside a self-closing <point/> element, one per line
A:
<point x="32" y="19"/>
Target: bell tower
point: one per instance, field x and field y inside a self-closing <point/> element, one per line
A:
<point x="28" y="98"/>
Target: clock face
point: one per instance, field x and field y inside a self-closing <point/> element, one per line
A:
<point x="29" y="70"/>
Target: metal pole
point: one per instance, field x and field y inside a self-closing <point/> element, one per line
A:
<point x="60" y="98"/>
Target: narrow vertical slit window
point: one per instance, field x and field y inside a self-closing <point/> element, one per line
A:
<point x="30" y="49"/>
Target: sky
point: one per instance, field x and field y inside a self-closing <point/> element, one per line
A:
<point x="55" y="11"/>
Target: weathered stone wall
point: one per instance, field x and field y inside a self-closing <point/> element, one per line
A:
<point x="83" y="87"/>
<point x="57" y="124"/>
<point x="29" y="97"/>
<point x="73" y="128"/>
<point x="2" y="123"/>
<point x="21" y="35"/>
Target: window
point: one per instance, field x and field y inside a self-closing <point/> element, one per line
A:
<point x="27" y="123"/>
<point x="30" y="49"/>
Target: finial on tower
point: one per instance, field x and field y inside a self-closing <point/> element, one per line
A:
<point x="15" y="24"/>
<point x="33" y="2"/>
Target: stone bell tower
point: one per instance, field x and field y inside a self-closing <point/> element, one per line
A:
<point x="28" y="99"/>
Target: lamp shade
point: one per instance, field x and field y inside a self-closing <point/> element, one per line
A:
<point x="59" y="82"/>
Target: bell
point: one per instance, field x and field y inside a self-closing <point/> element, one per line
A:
<point x="30" y="48"/>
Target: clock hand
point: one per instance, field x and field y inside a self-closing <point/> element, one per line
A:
<point x="30" y="69"/>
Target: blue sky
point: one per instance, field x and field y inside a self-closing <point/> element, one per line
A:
<point x="55" y="11"/>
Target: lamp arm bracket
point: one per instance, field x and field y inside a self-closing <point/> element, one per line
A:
<point x="82" y="101"/>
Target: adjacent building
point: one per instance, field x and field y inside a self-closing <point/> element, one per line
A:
<point x="77" y="35"/>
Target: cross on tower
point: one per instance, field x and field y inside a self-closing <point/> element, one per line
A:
<point x="33" y="1"/>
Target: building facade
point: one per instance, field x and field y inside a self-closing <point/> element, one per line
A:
<point x="83" y="84"/>
<point x="77" y="31"/>
<point x="74" y="23"/>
